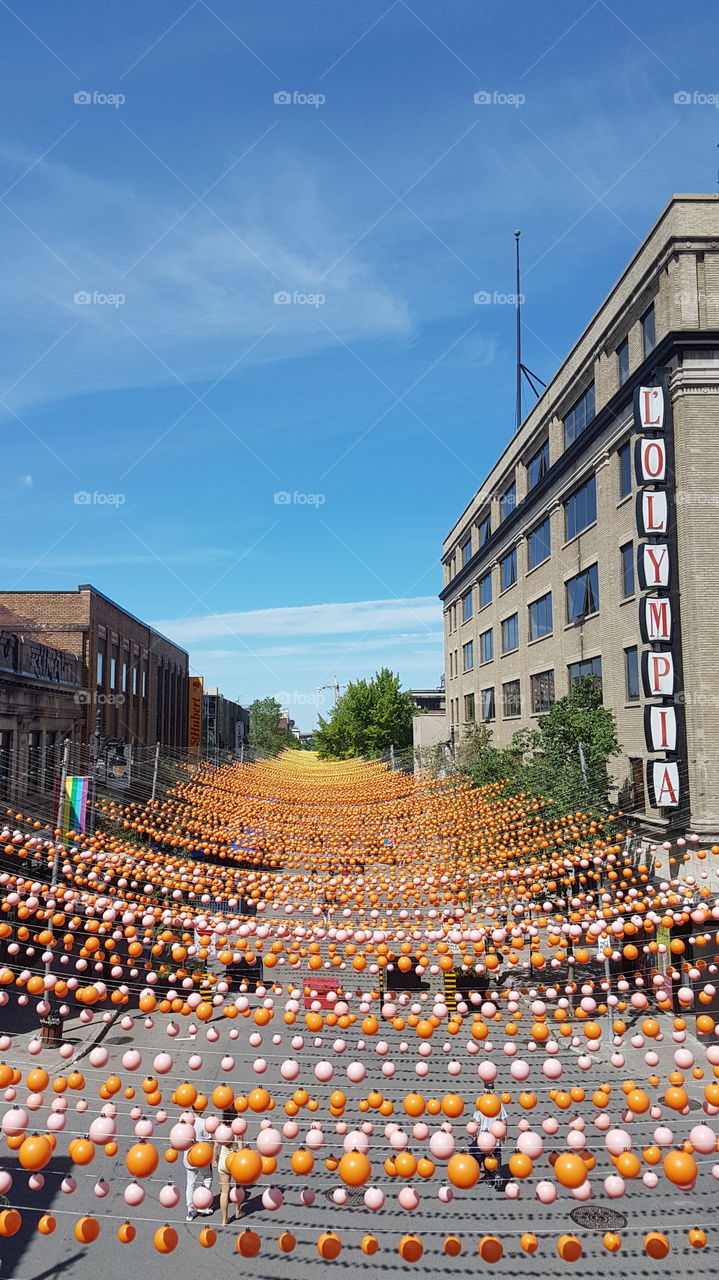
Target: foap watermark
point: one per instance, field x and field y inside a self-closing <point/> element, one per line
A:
<point x="85" y="98"/>
<point x="293" y="98"/>
<point x="86" y="499"/>
<point x="694" y="498"/>
<point x="83" y="298"/>
<point x="296" y="698"/>
<point x="286" y="499"/>
<point x="696" y="698"/>
<point x="283" y="298"/>
<point x="483" y="298"/>
<point x="497" y="98"/>
<point x="695" y="98"/>
<point x="84" y="698"/>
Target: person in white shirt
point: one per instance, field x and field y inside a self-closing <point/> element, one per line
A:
<point x="198" y="1177"/>
<point x="484" y="1125"/>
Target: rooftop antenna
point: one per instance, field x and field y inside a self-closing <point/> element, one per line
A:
<point x="522" y="370"/>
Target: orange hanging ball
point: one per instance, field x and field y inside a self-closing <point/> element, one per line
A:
<point x="248" y="1243"/>
<point x="165" y="1239"/>
<point x="463" y="1170"/>
<point x="355" y="1169"/>
<point x="329" y="1245"/>
<point x="570" y="1170"/>
<point x="142" y="1159"/>
<point x="87" y="1229"/>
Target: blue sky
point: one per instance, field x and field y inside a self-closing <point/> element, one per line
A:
<point x="147" y="365"/>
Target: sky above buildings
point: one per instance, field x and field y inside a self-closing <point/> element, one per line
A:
<point x="257" y="347"/>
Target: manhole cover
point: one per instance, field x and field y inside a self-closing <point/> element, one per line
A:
<point x="355" y="1199"/>
<point x="596" y="1218"/>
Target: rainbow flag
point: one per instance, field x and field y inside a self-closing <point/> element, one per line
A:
<point x="72" y="807"/>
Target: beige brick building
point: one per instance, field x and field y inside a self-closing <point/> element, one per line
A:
<point x="540" y="569"/>
<point x="136" y="679"/>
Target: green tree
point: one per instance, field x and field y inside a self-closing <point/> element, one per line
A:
<point x="564" y="760"/>
<point x="371" y="716"/>
<point x="266" y="732"/>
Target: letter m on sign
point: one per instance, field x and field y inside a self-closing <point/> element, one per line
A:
<point x="655" y="619"/>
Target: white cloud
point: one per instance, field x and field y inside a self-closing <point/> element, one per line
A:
<point x="309" y="620"/>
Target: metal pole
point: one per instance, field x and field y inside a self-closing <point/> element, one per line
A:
<point x="242" y="752"/>
<point x="391" y="756"/>
<point x="518" y="311"/>
<point x="154" y="771"/>
<point x="61" y="805"/>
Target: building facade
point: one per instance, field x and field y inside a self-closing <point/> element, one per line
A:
<point x="225" y="724"/>
<point x="136" y="679"/>
<point x="545" y="570"/>
<point x="40" y="706"/>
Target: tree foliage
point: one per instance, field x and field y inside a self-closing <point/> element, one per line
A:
<point x="369" y="718"/>
<point x="565" y="759"/>
<point x="266" y="732"/>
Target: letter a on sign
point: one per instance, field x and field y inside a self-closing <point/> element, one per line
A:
<point x="663" y="780"/>
<point x="649" y="409"/>
<point x="660" y="728"/>
<point x="655" y="619"/>
<point x="653" y="565"/>
<point x="651" y="512"/>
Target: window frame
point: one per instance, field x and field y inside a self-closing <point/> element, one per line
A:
<point x="489" y="632"/>
<point x="513" y="617"/>
<point x="464" y="556"/>
<point x="468" y="650"/>
<point x="484" y="529"/>
<point x="467" y="718"/>
<point x="575" y="422"/>
<point x="510" y="493"/>
<point x="532" y="564"/>
<point x="511" y="555"/>
<point x="511" y="715"/>
<point x="541" y="455"/>
<point x="624" y="454"/>
<point x="486" y="578"/>
<point x="487" y="719"/>
<point x="632" y="678"/>
<point x="584" y="662"/>
<point x="573" y="620"/>
<point x="590" y="482"/>
<point x="622" y="354"/>
<point x="550" y="701"/>
<point x="626" y="562"/>
<point x="539" y="601"/>
<point x="648" y="347"/>
<point x="467" y="597"/>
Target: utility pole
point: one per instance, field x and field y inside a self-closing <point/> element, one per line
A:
<point x="391" y="756"/>
<point x="336" y="686"/>
<point x="154" y="771"/>
<point x="61" y="805"/>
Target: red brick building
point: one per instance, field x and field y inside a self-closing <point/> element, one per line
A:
<point x="136" y="679"/>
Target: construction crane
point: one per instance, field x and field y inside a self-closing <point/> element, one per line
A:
<point x="336" y="686"/>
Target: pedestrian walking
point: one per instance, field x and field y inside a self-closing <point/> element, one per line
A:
<point x="225" y="1177"/>
<point x="195" y="1178"/>
<point x="484" y="1125"/>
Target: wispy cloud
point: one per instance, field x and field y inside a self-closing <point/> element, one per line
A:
<point x="309" y="620"/>
<point x="376" y="644"/>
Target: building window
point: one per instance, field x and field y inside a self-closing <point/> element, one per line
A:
<point x="538" y="465"/>
<point x="508" y="501"/>
<point x="485" y="590"/>
<point x="649" y="331"/>
<point x="579" y="417"/>
<point x="467" y="605"/>
<point x="542" y="692"/>
<point x="124" y="677"/>
<point x="469" y="708"/>
<point x="625" y="470"/>
<point x="508" y="570"/>
<point x="631" y="672"/>
<point x="638" y="800"/>
<point x="100" y="677"/>
<point x="466" y="551"/>
<point x="623" y="361"/>
<point x="510" y="633"/>
<point x="486" y="646"/>
<point x="580" y="508"/>
<point x="144" y="684"/>
<point x="6" y="748"/>
<point x="539" y="544"/>
<point x="540" y="617"/>
<point x="485" y="530"/>
<point x="51" y="769"/>
<point x="588" y="667"/>
<point x="583" y="594"/>
<point x="488" y="711"/>
<point x="627" y="557"/>
<point x="468" y="655"/>
<point x="134" y="680"/>
<point x="34" y="760"/>
<point x="113" y="670"/>
<point x="511" y="699"/>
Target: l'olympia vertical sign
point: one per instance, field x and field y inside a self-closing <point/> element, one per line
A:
<point x="194" y="715"/>
<point x="657" y="623"/>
